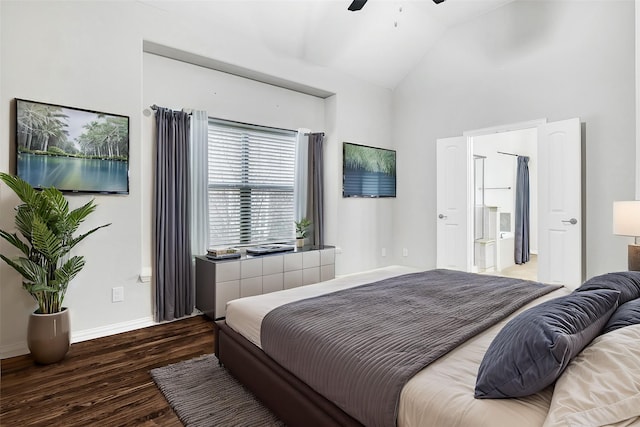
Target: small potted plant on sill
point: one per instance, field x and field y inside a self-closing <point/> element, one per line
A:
<point x="302" y="229"/>
<point x="47" y="226"/>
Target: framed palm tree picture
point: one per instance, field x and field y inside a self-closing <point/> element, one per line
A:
<point x="72" y="149"/>
<point x="368" y="171"/>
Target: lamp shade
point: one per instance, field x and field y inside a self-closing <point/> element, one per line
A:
<point x="626" y="218"/>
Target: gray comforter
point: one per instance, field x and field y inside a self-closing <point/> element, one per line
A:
<point x="358" y="347"/>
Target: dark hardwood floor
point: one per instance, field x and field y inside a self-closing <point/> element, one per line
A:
<point x="102" y="382"/>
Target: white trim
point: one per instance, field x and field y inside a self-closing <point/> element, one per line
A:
<point x="505" y="128"/>
<point x="20" y="348"/>
<point x="117" y="328"/>
<point x="236" y="70"/>
<point x="12" y="350"/>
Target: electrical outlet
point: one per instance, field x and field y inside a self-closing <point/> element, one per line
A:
<point x="117" y="294"/>
<point x="405" y="252"/>
<point x="383" y="252"/>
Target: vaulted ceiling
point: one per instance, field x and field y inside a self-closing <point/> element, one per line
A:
<point x="380" y="43"/>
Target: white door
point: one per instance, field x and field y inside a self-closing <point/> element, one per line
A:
<point x="560" y="203"/>
<point x="453" y="204"/>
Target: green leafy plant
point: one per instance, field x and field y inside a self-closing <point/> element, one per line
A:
<point x="368" y="159"/>
<point x="302" y="228"/>
<point x="47" y="227"/>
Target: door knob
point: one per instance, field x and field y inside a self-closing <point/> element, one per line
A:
<point x="442" y="216"/>
<point x="571" y="221"/>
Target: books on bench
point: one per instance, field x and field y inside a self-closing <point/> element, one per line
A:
<point x="269" y="249"/>
<point x="231" y="253"/>
<point x="223" y="253"/>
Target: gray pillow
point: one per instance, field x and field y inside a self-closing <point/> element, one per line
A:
<point x="533" y="349"/>
<point x="627" y="282"/>
<point x="626" y="315"/>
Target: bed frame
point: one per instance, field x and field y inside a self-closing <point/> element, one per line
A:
<point x="290" y="399"/>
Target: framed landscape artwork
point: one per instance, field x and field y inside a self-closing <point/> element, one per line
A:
<point x="368" y="171"/>
<point x="72" y="149"/>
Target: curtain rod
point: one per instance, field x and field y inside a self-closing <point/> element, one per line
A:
<point x="189" y="111"/>
<point x="154" y="107"/>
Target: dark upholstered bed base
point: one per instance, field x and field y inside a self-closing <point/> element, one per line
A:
<point x="290" y="399"/>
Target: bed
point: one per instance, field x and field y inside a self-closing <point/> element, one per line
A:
<point x="440" y="394"/>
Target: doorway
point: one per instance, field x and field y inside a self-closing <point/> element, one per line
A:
<point x="558" y="154"/>
<point x="495" y="176"/>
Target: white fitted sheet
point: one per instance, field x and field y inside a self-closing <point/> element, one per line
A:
<point x="439" y="395"/>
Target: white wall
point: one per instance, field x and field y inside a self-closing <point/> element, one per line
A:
<point x="530" y="59"/>
<point x="89" y="55"/>
<point x="83" y="57"/>
<point x="525" y="61"/>
<point x="362" y="226"/>
<point x="637" y="117"/>
<point x="222" y="96"/>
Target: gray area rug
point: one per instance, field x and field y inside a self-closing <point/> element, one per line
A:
<point x="204" y="394"/>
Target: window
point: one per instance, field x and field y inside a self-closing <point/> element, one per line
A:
<point x="251" y="176"/>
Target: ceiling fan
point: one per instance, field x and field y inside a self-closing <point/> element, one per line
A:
<point x="359" y="4"/>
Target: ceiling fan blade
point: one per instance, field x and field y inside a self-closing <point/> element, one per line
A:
<point x="357" y="5"/>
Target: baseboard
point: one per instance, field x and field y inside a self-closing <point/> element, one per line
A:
<point x="117" y="328"/>
<point x="20" y="348"/>
<point x="12" y="350"/>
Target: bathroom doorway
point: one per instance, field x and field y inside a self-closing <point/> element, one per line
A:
<point x="495" y="176"/>
<point x="559" y="219"/>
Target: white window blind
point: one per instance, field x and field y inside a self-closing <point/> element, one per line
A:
<point x="251" y="176"/>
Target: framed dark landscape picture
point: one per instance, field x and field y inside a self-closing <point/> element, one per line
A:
<point x="72" y="149"/>
<point x="368" y="171"/>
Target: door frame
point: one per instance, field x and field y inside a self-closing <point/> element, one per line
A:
<point x="470" y="134"/>
<point x="529" y="125"/>
<point x="505" y="128"/>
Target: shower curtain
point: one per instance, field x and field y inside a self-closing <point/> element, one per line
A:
<point x="521" y="254"/>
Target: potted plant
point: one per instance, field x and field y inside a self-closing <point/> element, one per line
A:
<point x="47" y="227"/>
<point x="302" y="229"/>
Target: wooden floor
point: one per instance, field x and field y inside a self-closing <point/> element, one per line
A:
<point x="102" y="382"/>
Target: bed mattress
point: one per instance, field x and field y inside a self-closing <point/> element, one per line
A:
<point x="450" y="379"/>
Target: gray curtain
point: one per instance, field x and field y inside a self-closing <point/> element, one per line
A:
<point x="174" y="295"/>
<point x="315" y="192"/>
<point x="521" y="254"/>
